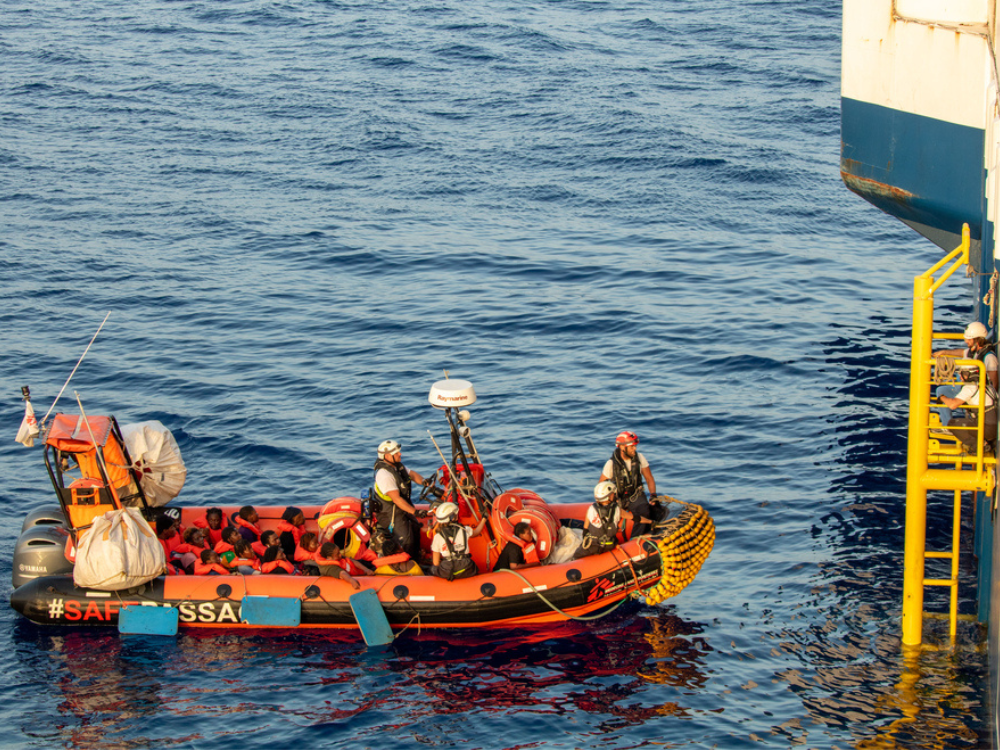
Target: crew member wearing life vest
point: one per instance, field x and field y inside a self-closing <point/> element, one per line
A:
<point x="392" y="485"/>
<point x="604" y="518"/>
<point x="976" y="347"/>
<point x="450" y="546"/>
<point x="627" y="468"/>
<point x="968" y="420"/>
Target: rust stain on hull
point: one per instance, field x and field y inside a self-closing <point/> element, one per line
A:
<point x="866" y="186"/>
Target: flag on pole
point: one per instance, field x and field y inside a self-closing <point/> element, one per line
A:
<point x="29" y="427"/>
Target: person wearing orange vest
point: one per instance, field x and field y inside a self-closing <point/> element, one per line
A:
<point x="291" y="527"/>
<point x="307" y="548"/>
<point x="512" y="556"/>
<point x="212" y="525"/>
<point x="191" y="548"/>
<point x="209" y="565"/>
<point x="276" y="563"/>
<point x="245" y="561"/>
<point x="331" y="562"/>
<point x="247" y="521"/>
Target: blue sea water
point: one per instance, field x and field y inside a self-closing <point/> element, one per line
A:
<point x="606" y="214"/>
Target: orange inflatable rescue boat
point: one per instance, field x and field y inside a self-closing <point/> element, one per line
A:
<point x="98" y="469"/>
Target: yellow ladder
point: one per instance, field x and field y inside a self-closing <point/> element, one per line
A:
<point x="964" y="473"/>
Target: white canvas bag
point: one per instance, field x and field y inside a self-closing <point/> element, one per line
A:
<point x="118" y="552"/>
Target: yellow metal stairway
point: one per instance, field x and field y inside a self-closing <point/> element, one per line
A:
<point x="936" y="461"/>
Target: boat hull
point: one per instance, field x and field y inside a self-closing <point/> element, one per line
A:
<point x="657" y="566"/>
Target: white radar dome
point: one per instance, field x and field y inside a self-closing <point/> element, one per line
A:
<point x="452" y="394"/>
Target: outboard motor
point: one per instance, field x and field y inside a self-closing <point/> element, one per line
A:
<point x="40" y="551"/>
<point x="50" y="515"/>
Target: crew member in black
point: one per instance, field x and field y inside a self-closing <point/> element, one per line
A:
<point x="391" y="497"/>
<point x="627" y="468"/>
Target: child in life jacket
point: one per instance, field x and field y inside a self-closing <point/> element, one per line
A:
<point x="331" y="562"/>
<point x="276" y="563"/>
<point x="307" y="548"/>
<point x="211" y="524"/>
<point x="209" y="565"/>
<point x="450" y="546"/>
<point x="245" y="560"/>
<point x="189" y="551"/>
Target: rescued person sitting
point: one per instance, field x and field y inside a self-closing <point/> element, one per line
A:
<point x="389" y="559"/>
<point x="512" y="556"/>
<point x="209" y="565"/>
<point x="331" y="562"/>
<point x="450" y="546"/>
<point x="276" y="563"/>
<point x="307" y="548"/>
<point x="245" y="560"/>
<point x="211" y="524"/>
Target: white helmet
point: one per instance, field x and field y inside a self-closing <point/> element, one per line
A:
<point x="446" y="512"/>
<point x="388" y="447"/>
<point x="975" y="331"/>
<point x="604" y="490"/>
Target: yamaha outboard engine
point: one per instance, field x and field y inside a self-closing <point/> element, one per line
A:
<point x="40" y="550"/>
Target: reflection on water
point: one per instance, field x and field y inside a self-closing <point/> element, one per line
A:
<point x="128" y="691"/>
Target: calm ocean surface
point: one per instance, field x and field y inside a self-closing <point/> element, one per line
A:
<point x="618" y="214"/>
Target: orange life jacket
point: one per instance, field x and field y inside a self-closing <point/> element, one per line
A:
<point x="302" y="554"/>
<point x="204" y="569"/>
<point x="214" y="535"/>
<point x="274" y="565"/>
<point x="295" y="531"/>
<point x="247" y="525"/>
<point x="223" y="547"/>
<point x="345" y="562"/>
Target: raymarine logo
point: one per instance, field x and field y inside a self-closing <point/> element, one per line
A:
<point x="452" y="398"/>
<point x="32" y="568"/>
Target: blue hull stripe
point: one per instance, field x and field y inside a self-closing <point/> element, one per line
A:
<point x="919" y="169"/>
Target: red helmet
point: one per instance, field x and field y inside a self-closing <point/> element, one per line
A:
<point x="627" y="438"/>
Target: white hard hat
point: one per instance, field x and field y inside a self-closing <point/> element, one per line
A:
<point x="604" y="490"/>
<point x="975" y="331"/>
<point x="446" y="512"/>
<point x="388" y="447"/>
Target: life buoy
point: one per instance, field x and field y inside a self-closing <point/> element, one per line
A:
<point x="529" y="498"/>
<point x="544" y="527"/>
<point x="503" y="506"/>
<point x="516" y="505"/>
<point x="344" y="513"/>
